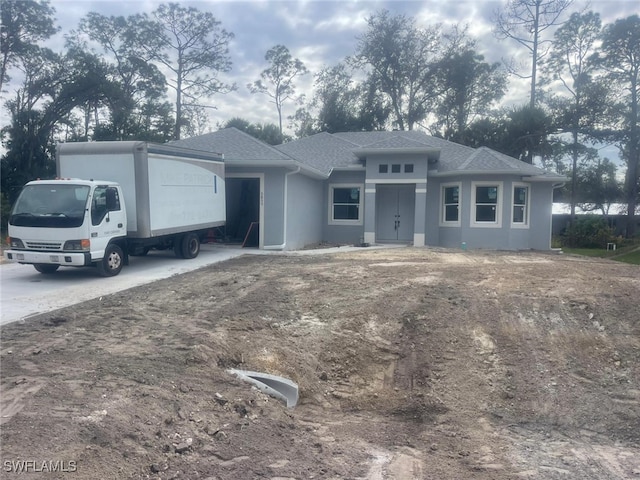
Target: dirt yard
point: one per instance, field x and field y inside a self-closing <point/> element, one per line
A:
<point x="411" y="363"/>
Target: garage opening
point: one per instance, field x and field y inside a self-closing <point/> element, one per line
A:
<point x="243" y="211"/>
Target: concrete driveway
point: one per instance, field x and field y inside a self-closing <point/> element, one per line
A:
<point x="25" y="292"/>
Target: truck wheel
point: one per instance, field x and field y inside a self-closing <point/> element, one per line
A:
<point x="111" y="263"/>
<point x="190" y="245"/>
<point x="46" y="268"/>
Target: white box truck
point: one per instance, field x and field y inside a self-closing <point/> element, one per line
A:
<point x="115" y="199"/>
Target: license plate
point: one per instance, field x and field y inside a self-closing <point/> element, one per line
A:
<point x="54" y="258"/>
<point x="20" y="256"/>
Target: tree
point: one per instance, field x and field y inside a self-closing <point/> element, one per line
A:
<point x="598" y="186"/>
<point x="267" y="132"/>
<point x="520" y="132"/>
<point x="402" y="60"/>
<point x="345" y="105"/>
<point x="303" y="123"/>
<point x="193" y="47"/>
<point x="525" y="21"/>
<point x="136" y="87"/>
<point x="24" y="23"/>
<point x="336" y="100"/>
<point x="584" y="100"/>
<point x="620" y="56"/>
<point x="469" y="88"/>
<point x="276" y="81"/>
<point x="52" y="88"/>
<point x="527" y="133"/>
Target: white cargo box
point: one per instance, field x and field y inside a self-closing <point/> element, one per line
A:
<point x="167" y="189"/>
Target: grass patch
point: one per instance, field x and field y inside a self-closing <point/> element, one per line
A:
<point x="630" y="254"/>
<point x="631" y="257"/>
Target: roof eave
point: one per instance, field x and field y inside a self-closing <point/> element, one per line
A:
<point x="545" y="178"/>
<point x="525" y="176"/>
<point x="364" y="152"/>
<point x="290" y="164"/>
<point x="349" y="168"/>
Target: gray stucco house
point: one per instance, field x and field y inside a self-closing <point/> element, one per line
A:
<point x="380" y="187"/>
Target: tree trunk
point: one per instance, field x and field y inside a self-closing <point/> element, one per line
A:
<point x="633" y="163"/>
<point x="534" y="58"/>
<point x="574" y="175"/>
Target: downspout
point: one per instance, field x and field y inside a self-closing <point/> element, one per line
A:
<point x="283" y="245"/>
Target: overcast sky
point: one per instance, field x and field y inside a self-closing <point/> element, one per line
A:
<point x="318" y="32"/>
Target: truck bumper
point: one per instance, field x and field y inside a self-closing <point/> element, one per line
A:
<point x="52" y="258"/>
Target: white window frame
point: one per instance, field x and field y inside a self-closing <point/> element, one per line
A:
<point x="359" y="221"/>
<point x="498" y="221"/>
<point x="527" y="205"/>
<point x="443" y="221"/>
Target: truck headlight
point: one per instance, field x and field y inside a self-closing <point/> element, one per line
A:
<point x="78" y="245"/>
<point x="15" y="242"/>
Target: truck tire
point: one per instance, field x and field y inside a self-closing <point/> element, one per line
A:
<point x="190" y="244"/>
<point x="112" y="262"/>
<point x="46" y="268"/>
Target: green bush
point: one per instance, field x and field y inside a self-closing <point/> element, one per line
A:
<point x="5" y="210"/>
<point x="589" y="231"/>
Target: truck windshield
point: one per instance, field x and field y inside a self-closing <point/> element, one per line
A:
<point x="48" y="205"/>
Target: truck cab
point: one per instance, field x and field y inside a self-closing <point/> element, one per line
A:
<point x="71" y="223"/>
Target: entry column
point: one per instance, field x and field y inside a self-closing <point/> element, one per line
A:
<point x="370" y="213"/>
<point x="419" y="223"/>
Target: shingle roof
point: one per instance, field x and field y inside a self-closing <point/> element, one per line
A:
<point x="324" y="151"/>
<point x="484" y="159"/>
<point x="234" y="144"/>
<point x="396" y="141"/>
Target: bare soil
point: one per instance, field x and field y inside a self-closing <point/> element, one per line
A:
<point x="411" y="363"/>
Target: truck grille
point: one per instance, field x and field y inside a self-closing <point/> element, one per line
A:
<point x="44" y="246"/>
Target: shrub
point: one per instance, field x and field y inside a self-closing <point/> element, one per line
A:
<point x="5" y="210"/>
<point x="588" y="231"/>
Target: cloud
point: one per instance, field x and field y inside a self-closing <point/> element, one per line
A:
<point x="319" y="32"/>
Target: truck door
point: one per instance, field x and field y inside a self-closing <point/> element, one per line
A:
<point x="108" y="218"/>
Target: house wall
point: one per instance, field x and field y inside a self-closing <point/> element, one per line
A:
<point x="308" y="209"/>
<point x="273" y="201"/>
<point x="542" y="205"/>
<point x="417" y="178"/>
<point x="305" y="211"/>
<point x="342" y="234"/>
<point x="506" y="236"/>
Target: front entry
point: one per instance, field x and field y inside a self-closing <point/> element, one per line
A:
<point x="395" y="213"/>
<point x="243" y="211"/>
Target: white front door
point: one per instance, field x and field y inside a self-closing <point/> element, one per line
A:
<point x="395" y="212"/>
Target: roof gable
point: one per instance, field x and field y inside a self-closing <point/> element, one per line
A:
<point x="486" y="160"/>
<point x="234" y="144"/>
<point x="322" y="151"/>
<point x="397" y="141"/>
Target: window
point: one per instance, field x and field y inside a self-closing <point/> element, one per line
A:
<point x="408" y="168"/>
<point x="486" y="198"/>
<point x="520" y="210"/>
<point x="383" y="168"/>
<point x="105" y="199"/>
<point x="450" y="201"/>
<point x="345" y="205"/>
<point x="395" y="168"/>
